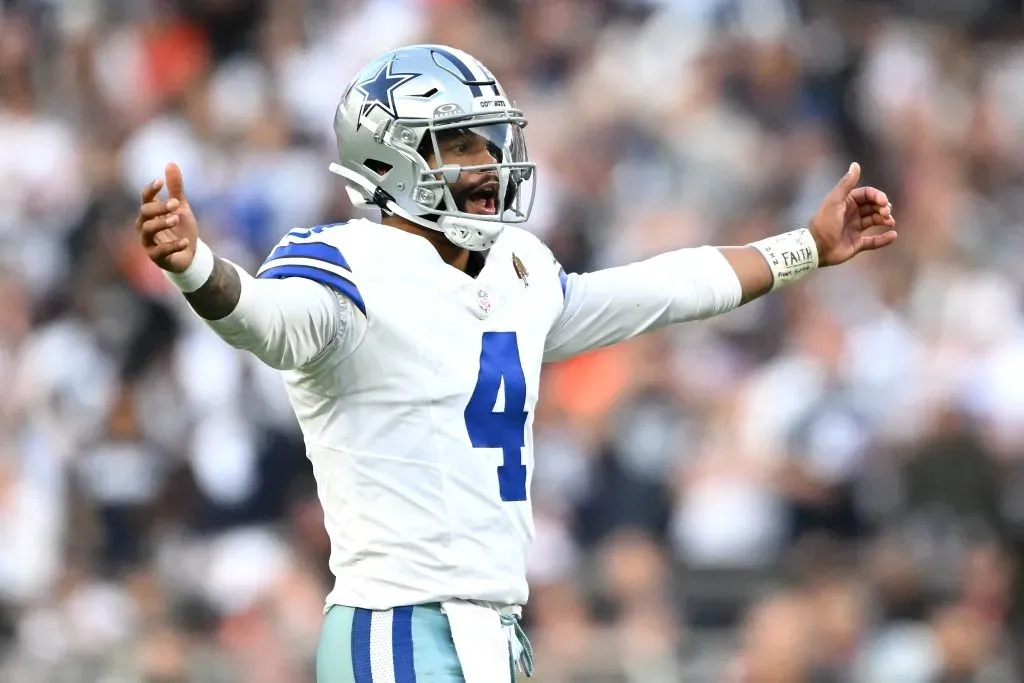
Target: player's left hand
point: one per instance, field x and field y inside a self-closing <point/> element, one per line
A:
<point x="852" y="219"/>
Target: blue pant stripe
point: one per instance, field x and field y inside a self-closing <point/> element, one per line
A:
<point x="361" y="668"/>
<point x="401" y="645"/>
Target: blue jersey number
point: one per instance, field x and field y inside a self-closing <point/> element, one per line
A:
<point x="499" y="360"/>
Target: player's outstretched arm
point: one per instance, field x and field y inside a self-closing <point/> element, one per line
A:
<point x="286" y="323"/>
<point x="612" y="305"/>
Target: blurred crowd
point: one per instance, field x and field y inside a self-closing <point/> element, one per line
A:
<point x="824" y="486"/>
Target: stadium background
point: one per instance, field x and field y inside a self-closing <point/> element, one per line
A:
<point x="827" y="485"/>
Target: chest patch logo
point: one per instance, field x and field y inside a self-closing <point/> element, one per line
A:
<point x="483" y="299"/>
<point x="521" y="272"/>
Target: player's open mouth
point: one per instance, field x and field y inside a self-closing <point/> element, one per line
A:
<point x="483" y="200"/>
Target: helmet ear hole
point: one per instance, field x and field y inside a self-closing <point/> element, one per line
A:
<point x="379" y="167"/>
<point x="426" y="146"/>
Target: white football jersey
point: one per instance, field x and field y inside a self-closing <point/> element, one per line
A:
<point x="420" y="435"/>
<point x="417" y="412"/>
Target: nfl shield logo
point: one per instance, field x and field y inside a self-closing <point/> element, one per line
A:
<point x="484" y="300"/>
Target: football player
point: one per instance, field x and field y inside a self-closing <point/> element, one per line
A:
<point x="412" y="351"/>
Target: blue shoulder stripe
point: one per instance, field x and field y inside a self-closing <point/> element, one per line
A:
<point x="335" y="282"/>
<point x="312" y="250"/>
<point x="563" y="279"/>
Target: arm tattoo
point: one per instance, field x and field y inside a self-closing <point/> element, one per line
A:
<point x="219" y="296"/>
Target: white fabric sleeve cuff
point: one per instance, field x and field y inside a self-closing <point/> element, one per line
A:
<point x="197" y="273"/>
<point x="705" y="283"/>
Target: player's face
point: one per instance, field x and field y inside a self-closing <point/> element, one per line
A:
<point x="475" y="191"/>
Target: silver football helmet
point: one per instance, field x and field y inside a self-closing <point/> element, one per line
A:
<point x="401" y="110"/>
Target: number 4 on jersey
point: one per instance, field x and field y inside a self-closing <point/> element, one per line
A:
<point x="499" y="360"/>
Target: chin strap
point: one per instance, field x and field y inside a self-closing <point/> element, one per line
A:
<point x="467" y="233"/>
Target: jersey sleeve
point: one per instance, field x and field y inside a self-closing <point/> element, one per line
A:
<point x="289" y="323"/>
<point x="313" y="260"/>
<point x="303" y="302"/>
<point x="609" y="306"/>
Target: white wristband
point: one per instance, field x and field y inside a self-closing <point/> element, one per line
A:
<point x="197" y="273"/>
<point x="790" y="255"/>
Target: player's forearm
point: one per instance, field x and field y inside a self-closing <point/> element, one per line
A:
<point x="701" y="289"/>
<point x="218" y="297"/>
<point x="752" y="271"/>
<point x="773" y="262"/>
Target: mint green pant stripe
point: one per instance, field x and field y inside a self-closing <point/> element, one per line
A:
<point x="434" y="656"/>
<point x="334" y="652"/>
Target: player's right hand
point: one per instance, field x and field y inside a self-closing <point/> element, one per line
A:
<point x="852" y="219"/>
<point x="168" y="228"/>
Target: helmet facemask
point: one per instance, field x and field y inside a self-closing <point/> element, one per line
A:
<point x="447" y="149"/>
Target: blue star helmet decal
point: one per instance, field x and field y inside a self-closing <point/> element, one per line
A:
<point x="380" y="91"/>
